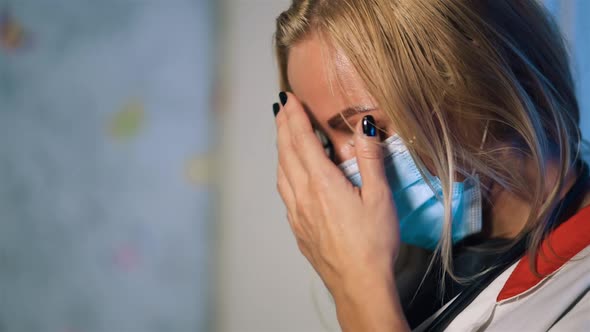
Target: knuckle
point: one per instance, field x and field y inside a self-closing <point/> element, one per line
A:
<point x="302" y="246"/>
<point x="368" y="151"/>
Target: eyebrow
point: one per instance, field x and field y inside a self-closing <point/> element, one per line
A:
<point x="338" y="119"/>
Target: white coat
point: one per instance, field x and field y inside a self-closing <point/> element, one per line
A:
<point x="519" y="301"/>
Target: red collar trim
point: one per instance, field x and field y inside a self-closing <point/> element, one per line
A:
<point x="560" y="246"/>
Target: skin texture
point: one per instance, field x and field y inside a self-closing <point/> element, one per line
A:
<point x="325" y="93"/>
<point x="350" y="235"/>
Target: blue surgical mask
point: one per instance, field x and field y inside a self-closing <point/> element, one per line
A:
<point x="419" y="206"/>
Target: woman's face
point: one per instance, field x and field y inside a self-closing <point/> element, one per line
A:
<point x="332" y="96"/>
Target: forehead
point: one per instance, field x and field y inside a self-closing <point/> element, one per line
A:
<point x="323" y="78"/>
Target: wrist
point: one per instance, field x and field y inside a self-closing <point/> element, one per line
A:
<point x="370" y="303"/>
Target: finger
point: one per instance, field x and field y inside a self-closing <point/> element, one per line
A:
<point x="289" y="162"/>
<point x="304" y="140"/>
<point x="285" y="190"/>
<point x="369" y="155"/>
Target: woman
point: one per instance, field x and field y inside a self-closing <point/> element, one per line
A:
<point x="461" y="119"/>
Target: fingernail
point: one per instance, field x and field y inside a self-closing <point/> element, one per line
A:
<point x="283" y="97"/>
<point x="369" y="126"/>
<point x="276" y="108"/>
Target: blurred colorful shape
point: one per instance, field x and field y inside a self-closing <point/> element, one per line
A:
<point x="199" y="170"/>
<point x="127" y="122"/>
<point x="12" y="33"/>
<point x="126" y="258"/>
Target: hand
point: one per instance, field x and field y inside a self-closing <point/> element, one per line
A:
<point x="348" y="234"/>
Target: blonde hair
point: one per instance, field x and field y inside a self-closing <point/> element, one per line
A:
<point x="449" y="69"/>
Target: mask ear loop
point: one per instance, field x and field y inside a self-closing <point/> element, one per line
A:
<point x="483" y="141"/>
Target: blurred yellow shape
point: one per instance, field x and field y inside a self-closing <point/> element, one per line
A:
<point x="128" y="121"/>
<point x="199" y="170"/>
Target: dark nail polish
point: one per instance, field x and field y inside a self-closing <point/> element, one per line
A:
<point x="283" y="97"/>
<point x="369" y="126"/>
<point x="276" y="108"/>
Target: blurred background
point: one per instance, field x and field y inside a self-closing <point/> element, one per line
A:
<point x="137" y="168"/>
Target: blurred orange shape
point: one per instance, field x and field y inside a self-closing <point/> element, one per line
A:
<point x="12" y="34"/>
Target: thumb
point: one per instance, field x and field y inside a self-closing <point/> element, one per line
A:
<point x="369" y="155"/>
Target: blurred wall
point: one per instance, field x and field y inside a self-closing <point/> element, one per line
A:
<point x="104" y="138"/>
<point x="572" y="17"/>
<point x="264" y="283"/>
